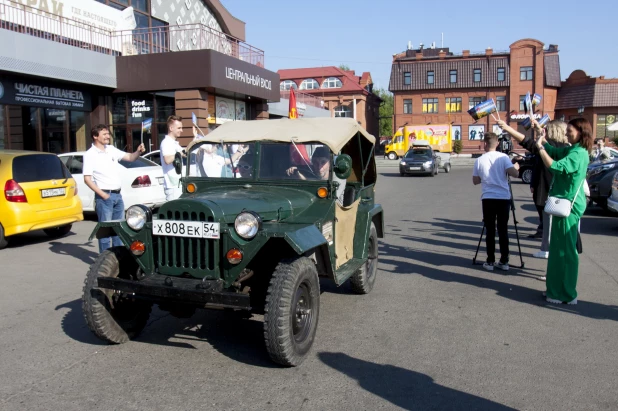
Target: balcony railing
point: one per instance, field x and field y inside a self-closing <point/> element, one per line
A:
<point x="18" y="18"/>
<point x="303" y="98"/>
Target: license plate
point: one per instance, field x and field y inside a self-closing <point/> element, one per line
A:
<point x="53" y="192"/>
<point x="194" y="229"/>
<point x="415" y="168"/>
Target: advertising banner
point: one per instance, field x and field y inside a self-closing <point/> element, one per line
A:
<point x="230" y="110"/>
<point x="87" y="21"/>
<point x="438" y="136"/>
<point x="476" y="132"/>
<point x="14" y="90"/>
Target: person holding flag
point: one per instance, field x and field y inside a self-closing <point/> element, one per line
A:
<point x="169" y="147"/>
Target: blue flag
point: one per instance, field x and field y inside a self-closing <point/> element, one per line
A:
<point x="194" y="118"/>
<point x="147" y="125"/>
<point x="528" y="104"/>
<point x="483" y="110"/>
<point x="544" y="120"/>
<point x="536" y="99"/>
<point x="526" y="123"/>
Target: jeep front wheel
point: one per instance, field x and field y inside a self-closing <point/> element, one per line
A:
<point x="364" y="278"/>
<point x="291" y="311"/>
<point x="113" y="317"/>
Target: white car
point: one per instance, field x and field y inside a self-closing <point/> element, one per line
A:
<point x="155" y="157"/>
<point x="142" y="181"/>
<point x="612" y="201"/>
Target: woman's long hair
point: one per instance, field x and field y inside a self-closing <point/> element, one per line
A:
<point x="556" y="131"/>
<point x="586" y="139"/>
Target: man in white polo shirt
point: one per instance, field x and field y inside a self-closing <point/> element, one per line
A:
<point x="102" y="174"/>
<point x="169" y="147"/>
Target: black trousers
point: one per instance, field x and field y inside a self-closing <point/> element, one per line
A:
<point x="539" y="209"/>
<point x="497" y="210"/>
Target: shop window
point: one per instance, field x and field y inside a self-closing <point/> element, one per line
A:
<point x="119" y="109"/>
<point x="3" y="137"/>
<point x="332" y="82"/>
<point x="453" y="105"/>
<point x="453" y="76"/>
<point x="287" y="84"/>
<point x="501" y="103"/>
<point x="166" y="105"/>
<point x="501" y="73"/>
<point x="309" y="84"/>
<point x="79" y="136"/>
<point x="604" y="121"/>
<point x="407" y="106"/>
<point x="343" y="111"/>
<point x="430" y="105"/>
<point x="474" y="101"/>
<point x="141" y="5"/>
<point x="119" y="137"/>
<point x="525" y="73"/>
<point x="140" y="108"/>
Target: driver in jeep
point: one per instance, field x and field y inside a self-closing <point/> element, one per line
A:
<point x="320" y="165"/>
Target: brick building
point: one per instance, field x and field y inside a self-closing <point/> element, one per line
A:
<point x="343" y="92"/>
<point x="434" y="85"/>
<point x="593" y="98"/>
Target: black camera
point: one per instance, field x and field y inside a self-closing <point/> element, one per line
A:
<point x="505" y="144"/>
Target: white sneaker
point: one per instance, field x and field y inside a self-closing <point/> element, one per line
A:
<point x="541" y="254"/>
<point x="504" y="267"/>
<point x="488" y="267"/>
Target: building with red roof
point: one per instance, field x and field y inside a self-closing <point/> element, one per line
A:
<point x="343" y="93"/>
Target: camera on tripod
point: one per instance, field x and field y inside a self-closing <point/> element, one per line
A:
<point x="505" y="143"/>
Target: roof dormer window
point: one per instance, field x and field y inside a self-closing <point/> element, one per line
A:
<point x="332" y="82"/>
<point x="309" y="84"/>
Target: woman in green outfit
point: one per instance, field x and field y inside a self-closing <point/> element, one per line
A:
<point x="568" y="166"/>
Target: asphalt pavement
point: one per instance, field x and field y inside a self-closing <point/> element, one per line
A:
<point x="435" y="333"/>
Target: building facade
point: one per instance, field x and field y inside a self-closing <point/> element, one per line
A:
<point x="436" y="86"/>
<point x="68" y="65"/>
<point x="343" y="93"/>
<point x="593" y="98"/>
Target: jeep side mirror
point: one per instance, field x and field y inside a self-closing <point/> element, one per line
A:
<point x="343" y="166"/>
<point x="178" y="163"/>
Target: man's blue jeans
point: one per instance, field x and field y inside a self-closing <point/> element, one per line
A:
<point x="107" y="210"/>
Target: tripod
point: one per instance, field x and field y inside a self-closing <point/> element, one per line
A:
<point x="516" y="231"/>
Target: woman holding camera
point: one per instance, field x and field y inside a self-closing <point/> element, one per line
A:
<point x="541" y="175"/>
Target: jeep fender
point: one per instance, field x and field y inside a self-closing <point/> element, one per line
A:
<point x="376" y="216"/>
<point x="310" y="241"/>
<point x="127" y="236"/>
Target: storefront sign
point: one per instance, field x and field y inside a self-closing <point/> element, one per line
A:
<point x="253" y="79"/>
<point x="38" y="94"/>
<point x="140" y="109"/>
<point x="230" y="110"/>
<point x="89" y="12"/>
<point x="517" y="116"/>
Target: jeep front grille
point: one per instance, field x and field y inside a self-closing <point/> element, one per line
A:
<point x="190" y="254"/>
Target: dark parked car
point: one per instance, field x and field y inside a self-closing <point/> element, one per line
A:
<point x="421" y="159"/>
<point x="526" y="163"/>
<point x="600" y="178"/>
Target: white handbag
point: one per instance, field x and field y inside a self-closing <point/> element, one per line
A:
<point x="560" y="207"/>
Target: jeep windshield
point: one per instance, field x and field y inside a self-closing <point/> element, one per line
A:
<point x="277" y="161"/>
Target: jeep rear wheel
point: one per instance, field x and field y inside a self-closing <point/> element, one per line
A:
<point x="291" y="311"/>
<point x="364" y="278"/>
<point x="113" y="317"/>
<point x="3" y="240"/>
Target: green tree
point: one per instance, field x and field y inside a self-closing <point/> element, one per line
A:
<point x="386" y="111"/>
<point x="344" y="67"/>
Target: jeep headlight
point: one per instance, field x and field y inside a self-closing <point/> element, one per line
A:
<point x="247" y="224"/>
<point x="137" y="216"/>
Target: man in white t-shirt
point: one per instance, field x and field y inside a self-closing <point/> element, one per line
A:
<point x="102" y="174"/>
<point x="490" y="170"/>
<point x="169" y="147"/>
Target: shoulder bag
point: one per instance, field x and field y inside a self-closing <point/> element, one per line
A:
<point x="560" y="207"/>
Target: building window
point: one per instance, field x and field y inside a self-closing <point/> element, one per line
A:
<point x="343" y="111"/>
<point x="525" y="73"/>
<point x="332" y="82"/>
<point x="309" y="84"/>
<point x="453" y="76"/>
<point x="453" y="105"/>
<point x="407" y="106"/>
<point x="430" y="105"/>
<point x="604" y="121"/>
<point x="522" y="103"/>
<point x="474" y="101"/>
<point x="287" y="84"/>
<point x="501" y="74"/>
<point x="501" y="103"/>
<point x="430" y="77"/>
<point x="407" y="78"/>
<point x="477" y="75"/>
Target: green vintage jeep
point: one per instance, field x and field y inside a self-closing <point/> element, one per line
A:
<point x="267" y="208"/>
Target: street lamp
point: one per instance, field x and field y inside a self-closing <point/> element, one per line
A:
<point x="580" y="110"/>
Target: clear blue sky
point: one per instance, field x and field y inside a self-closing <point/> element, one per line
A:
<point x="365" y="34"/>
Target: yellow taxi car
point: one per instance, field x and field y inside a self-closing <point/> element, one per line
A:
<point x="39" y="193"/>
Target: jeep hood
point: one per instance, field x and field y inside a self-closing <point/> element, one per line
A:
<point x="271" y="203"/>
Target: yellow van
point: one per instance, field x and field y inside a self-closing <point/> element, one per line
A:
<point x="39" y="194"/>
<point x="438" y="136"/>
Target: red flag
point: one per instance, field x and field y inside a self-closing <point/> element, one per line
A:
<point x="293" y="113"/>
